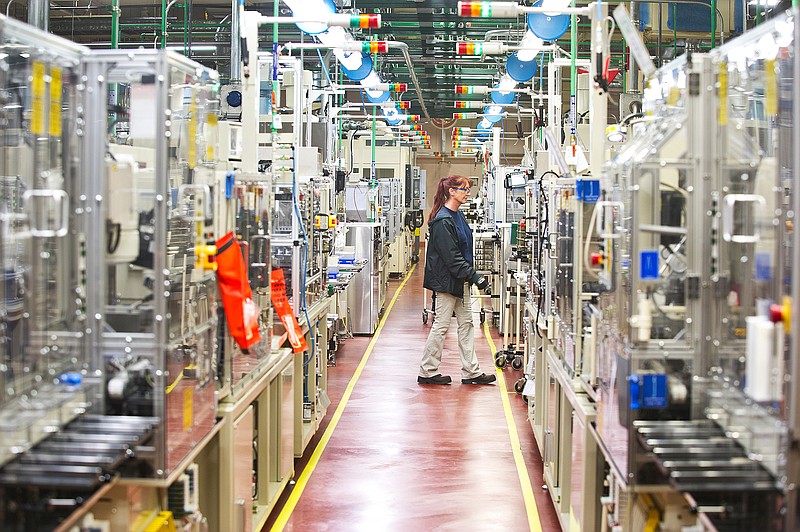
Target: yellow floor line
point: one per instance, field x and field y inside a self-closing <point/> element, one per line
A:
<point x="300" y="486"/>
<point x="525" y="482"/>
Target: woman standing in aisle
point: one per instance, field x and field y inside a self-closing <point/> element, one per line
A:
<point x="448" y="272"/>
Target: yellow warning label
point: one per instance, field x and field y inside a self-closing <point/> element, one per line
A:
<point x="771" y="87"/>
<point x="674" y="96"/>
<point x="37" y="94"/>
<point x="211" y="120"/>
<point x="787" y="314"/>
<point x="722" y="117"/>
<point x="188" y="408"/>
<point x="55" y="102"/>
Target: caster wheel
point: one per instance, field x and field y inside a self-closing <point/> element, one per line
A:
<point x="424" y="318"/>
<point x="499" y="361"/>
<point x="525" y="399"/>
<point x="482" y="316"/>
<point x="516" y="363"/>
<point x="520" y="385"/>
<point x="414" y="259"/>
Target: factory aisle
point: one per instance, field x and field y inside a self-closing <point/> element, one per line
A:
<point x="404" y="456"/>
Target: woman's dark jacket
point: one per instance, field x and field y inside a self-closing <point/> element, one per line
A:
<point x="445" y="268"/>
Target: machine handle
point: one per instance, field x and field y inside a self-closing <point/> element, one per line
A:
<point x="727" y="217"/>
<point x="59" y="213"/>
<point x="600" y="221"/>
<point x="548" y="445"/>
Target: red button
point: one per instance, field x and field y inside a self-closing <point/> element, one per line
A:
<point x="775" y="313"/>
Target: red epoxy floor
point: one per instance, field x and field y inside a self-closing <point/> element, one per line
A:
<point x="410" y="457"/>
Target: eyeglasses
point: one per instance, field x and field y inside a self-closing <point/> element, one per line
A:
<point x="465" y="189"/>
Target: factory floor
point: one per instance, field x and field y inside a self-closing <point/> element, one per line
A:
<point x="395" y="455"/>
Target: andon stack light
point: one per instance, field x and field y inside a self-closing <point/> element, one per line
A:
<point x="365" y="21"/>
<point x="403" y="105"/>
<point x="345" y="20"/>
<point x="480" y="48"/>
<point x="388" y="87"/>
<point x="414" y="118"/>
<point x="465" y="116"/>
<point x="469" y="48"/>
<point x="458" y="144"/>
<point x="488" y="9"/>
<point x="465" y="104"/>
<point x="374" y="47"/>
<point x="471" y="89"/>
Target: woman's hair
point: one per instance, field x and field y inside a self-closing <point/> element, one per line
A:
<point x="443" y="191"/>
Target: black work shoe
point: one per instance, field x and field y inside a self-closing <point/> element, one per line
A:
<point x="436" y="379"/>
<point x="483" y="378"/>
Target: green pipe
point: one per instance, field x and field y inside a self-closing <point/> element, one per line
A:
<point x="674" y="30"/>
<point x="275" y="12"/>
<point x="374" y="128"/>
<point x="115" y="14"/>
<point x="713" y="23"/>
<point x="758" y="12"/>
<point x="163" y="23"/>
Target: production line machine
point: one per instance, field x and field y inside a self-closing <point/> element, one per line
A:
<point x="658" y="317"/>
<point x="130" y="332"/>
<point x="141" y="240"/>
<point x="708" y="286"/>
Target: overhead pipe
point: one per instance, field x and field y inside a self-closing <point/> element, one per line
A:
<point x="38" y="13"/>
<point x="187" y="49"/>
<point x="634" y="67"/>
<point x="713" y="23"/>
<point x="510" y="33"/>
<point x="164" y="14"/>
<point x="116" y="12"/>
<point x="236" y="43"/>
<point x="391" y="45"/>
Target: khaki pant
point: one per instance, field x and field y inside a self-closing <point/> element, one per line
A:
<point x="446" y="304"/>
